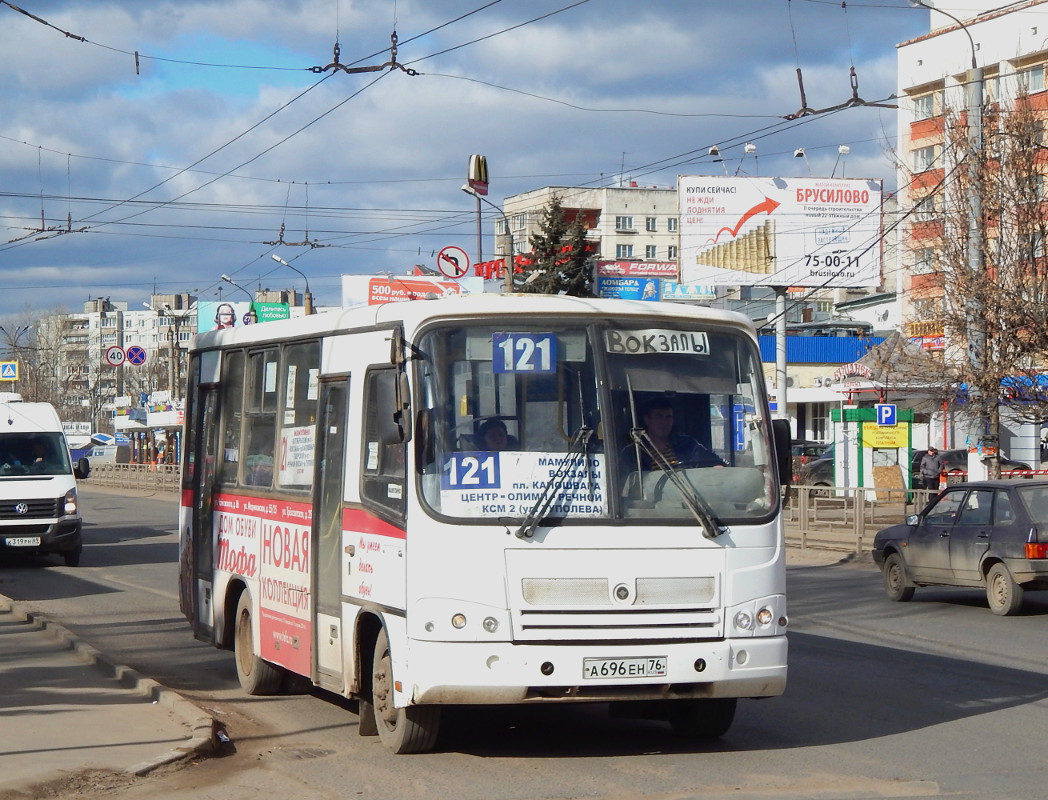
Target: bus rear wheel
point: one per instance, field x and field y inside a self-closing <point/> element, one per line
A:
<point x="257" y="676"/>
<point x="412" y="729"/>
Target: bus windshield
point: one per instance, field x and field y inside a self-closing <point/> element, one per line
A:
<point x="627" y="420"/>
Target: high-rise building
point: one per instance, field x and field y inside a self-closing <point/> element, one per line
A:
<point x="1008" y="42"/>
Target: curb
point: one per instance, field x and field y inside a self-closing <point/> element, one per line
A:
<point x="204" y="731"/>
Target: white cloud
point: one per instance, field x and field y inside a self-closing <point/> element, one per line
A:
<point x="393" y="157"/>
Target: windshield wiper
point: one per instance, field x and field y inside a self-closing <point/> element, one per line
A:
<point x="699" y="508"/>
<point x="552" y="488"/>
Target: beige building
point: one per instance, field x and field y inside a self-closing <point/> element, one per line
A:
<point x="631" y="223"/>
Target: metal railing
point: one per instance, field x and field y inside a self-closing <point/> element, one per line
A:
<point x="147" y="477"/>
<point x="842" y="518"/>
<point x="845" y="517"/>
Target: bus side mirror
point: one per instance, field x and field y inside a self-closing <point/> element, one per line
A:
<point x="780" y="429"/>
<point x="82" y="468"/>
<point x="396" y="348"/>
<point x="424" y="453"/>
<point x="402" y="415"/>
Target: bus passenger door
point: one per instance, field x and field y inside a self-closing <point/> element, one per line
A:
<point x="327" y="533"/>
<point x="196" y="585"/>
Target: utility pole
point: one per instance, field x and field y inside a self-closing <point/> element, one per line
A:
<point x="780" y="353"/>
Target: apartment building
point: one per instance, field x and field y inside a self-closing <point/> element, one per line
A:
<point x="1008" y="42"/>
<point x="628" y="223"/>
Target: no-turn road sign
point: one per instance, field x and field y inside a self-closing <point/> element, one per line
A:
<point x="453" y="262"/>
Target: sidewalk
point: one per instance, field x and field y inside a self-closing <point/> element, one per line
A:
<point x="65" y="708"/>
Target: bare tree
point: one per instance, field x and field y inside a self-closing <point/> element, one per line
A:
<point x="977" y="243"/>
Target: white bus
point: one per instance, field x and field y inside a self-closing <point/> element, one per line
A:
<point x="343" y="517"/>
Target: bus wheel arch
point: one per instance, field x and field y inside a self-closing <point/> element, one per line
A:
<point x="409" y="729"/>
<point x="224" y="630"/>
<point x="367" y="630"/>
<point x="257" y="676"/>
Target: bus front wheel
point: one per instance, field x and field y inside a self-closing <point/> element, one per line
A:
<point x="412" y="729"/>
<point x="257" y="676"/>
<point x="703" y="719"/>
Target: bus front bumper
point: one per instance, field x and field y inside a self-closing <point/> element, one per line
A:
<point x="467" y="673"/>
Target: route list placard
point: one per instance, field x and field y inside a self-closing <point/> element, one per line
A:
<point x="483" y="484"/>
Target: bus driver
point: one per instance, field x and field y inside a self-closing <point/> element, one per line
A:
<point x="678" y="449"/>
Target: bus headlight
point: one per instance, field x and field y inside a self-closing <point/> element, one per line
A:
<point x="458" y="621"/>
<point x="69" y="503"/>
<point x="764" y="617"/>
<point x="491" y="625"/>
<point x="743" y="621"/>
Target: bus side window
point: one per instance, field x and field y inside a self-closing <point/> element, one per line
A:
<point x="384" y="473"/>
<point x="232" y="388"/>
<point x="297" y="417"/>
<point x="261" y="412"/>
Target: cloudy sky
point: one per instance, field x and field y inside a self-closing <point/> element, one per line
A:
<point x="155" y="146"/>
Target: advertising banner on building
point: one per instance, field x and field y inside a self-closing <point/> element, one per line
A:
<point x="628" y="288"/>
<point x="370" y="290"/>
<point x="267" y="312"/>
<point x="688" y="292"/>
<point x="212" y="316"/>
<point x="637" y="269"/>
<point x="751" y="231"/>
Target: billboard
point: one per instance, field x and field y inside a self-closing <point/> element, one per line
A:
<point x="629" y="288"/>
<point x="370" y="290"/>
<point x="637" y="269"/>
<point x="214" y="316"/>
<point x="779" y="231"/>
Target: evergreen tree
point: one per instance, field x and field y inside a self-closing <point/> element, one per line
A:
<point x="560" y="256"/>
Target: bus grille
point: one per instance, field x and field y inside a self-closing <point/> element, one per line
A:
<point x="46" y="508"/>
<point x="584" y="609"/>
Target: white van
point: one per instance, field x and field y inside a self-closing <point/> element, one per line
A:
<point x="39" y="509"/>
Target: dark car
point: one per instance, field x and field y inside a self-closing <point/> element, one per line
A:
<point x="955" y="462"/>
<point x="804" y="450"/>
<point x="817" y="472"/>
<point x="987" y="534"/>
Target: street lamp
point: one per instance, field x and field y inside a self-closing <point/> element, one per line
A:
<point x="251" y="309"/>
<point x="507" y="278"/>
<point x="307" y="298"/>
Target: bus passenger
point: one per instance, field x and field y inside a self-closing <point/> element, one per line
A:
<point x="678" y="449"/>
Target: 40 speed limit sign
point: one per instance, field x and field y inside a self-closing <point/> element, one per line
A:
<point x="115" y="356"/>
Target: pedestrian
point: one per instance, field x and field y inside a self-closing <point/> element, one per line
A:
<point x="930" y="469"/>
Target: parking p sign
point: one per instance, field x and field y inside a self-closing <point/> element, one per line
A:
<point x="887" y="413"/>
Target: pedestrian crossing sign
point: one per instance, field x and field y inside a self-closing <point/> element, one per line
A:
<point x="8" y="370"/>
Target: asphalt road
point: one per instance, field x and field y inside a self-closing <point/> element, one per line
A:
<point x="937" y="697"/>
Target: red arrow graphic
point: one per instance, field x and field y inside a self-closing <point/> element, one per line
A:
<point x="767" y="205"/>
